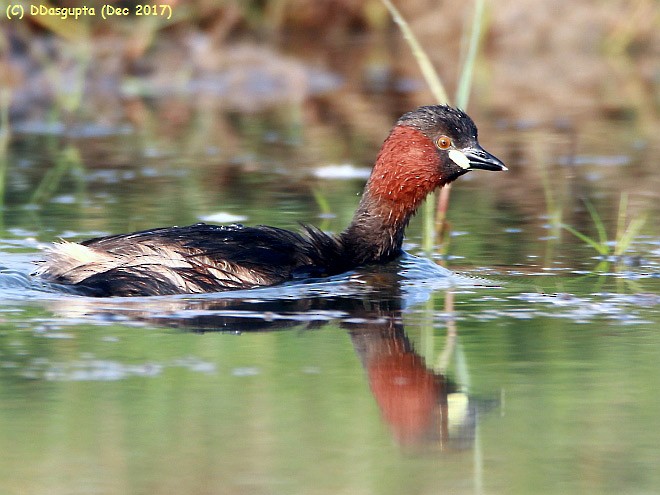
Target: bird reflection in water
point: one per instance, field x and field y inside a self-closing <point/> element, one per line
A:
<point x="422" y="406"/>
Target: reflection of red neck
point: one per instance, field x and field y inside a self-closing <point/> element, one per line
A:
<point x="406" y="171"/>
<point x="406" y="393"/>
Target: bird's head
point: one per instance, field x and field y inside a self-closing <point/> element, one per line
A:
<point x="426" y="149"/>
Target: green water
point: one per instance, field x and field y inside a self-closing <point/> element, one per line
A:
<point x="558" y="406"/>
<point x="540" y="379"/>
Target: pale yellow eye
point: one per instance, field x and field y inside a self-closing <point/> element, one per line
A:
<point x="443" y="142"/>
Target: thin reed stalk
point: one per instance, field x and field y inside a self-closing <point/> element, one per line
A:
<point x="5" y="134"/>
<point x="623" y="237"/>
<point x="467" y="71"/>
<point x="425" y="65"/>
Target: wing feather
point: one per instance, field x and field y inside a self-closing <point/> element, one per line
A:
<point x="193" y="259"/>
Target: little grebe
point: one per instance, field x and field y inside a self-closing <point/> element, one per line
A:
<point x="426" y="149"/>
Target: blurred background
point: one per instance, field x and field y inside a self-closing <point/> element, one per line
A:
<point x="538" y="60"/>
<point x="229" y="82"/>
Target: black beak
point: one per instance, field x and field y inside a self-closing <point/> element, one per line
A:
<point x="480" y="159"/>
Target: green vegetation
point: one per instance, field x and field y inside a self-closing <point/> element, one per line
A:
<point x="101" y="406"/>
<point x="5" y="134"/>
<point x="624" y="235"/>
<point x="67" y="163"/>
<point x="430" y="74"/>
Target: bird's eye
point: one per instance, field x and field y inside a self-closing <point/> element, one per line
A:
<point x="443" y="142"/>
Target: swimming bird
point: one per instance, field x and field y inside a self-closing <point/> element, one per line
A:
<point x="426" y="149"/>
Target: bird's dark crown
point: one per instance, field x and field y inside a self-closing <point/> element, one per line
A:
<point x="434" y="120"/>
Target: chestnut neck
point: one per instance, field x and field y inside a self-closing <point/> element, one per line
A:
<point x="407" y="169"/>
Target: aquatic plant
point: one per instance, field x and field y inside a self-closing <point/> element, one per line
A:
<point x="624" y="235"/>
<point x="5" y="129"/>
<point x="68" y="162"/>
<point x="5" y="134"/>
<point x="428" y="71"/>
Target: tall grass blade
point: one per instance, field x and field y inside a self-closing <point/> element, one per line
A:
<point x="598" y="222"/>
<point x="5" y="134"/>
<point x="428" y="224"/>
<point x="321" y="201"/>
<point x="68" y="161"/>
<point x="5" y="129"/>
<point x="621" y="218"/>
<point x="465" y="79"/>
<point x="425" y="65"/>
<point x="601" y="248"/>
<point x="625" y="235"/>
<point x="633" y="230"/>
